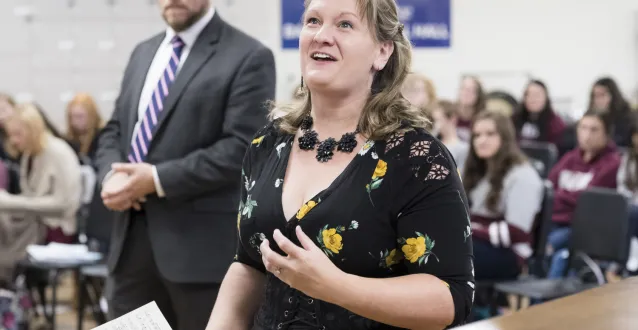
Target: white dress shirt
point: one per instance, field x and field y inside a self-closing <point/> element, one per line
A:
<point x="159" y="64"/>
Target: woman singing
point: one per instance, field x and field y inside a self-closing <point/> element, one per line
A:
<point x="352" y="215"/>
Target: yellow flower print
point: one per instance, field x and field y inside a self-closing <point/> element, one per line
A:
<point x="377" y="178"/>
<point x="238" y="219"/>
<point x="414" y="248"/>
<point x="305" y="209"/>
<point x="330" y="239"/>
<point x="393" y="258"/>
<point x="380" y="170"/>
<point x="258" y="140"/>
<point x="389" y="258"/>
<point x="417" y="249"/>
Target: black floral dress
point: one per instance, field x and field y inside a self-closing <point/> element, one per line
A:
<point x="398" y="208"/>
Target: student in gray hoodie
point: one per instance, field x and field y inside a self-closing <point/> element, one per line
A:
<point x="505" y="193"/>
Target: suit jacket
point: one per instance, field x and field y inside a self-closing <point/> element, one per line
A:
<point x="213" y="109"/>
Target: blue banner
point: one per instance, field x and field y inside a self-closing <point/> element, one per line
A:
<point x="427" y="22"/>
<point x="291" y="24"/>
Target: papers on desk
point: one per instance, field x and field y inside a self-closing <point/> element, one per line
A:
<point x="64" y="253"/>
<point x="147" y="317"/>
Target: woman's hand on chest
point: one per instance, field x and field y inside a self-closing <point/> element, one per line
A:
<point x="305" y="268"/>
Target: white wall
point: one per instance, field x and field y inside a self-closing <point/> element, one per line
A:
<point x="51" y="50"/>
<point x="567" y="43"/>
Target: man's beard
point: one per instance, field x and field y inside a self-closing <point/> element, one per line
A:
<point x="181" y="26"/>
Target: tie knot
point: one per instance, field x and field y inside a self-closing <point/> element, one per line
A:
<point x="177" y="42"/>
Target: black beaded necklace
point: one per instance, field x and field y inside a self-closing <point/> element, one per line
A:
<point x="325" y="148"/>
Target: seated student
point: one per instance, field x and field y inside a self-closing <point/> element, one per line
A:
<point x="627" y="180"/>
<point x="471" y="101"/>
<point x="84" y="124"/>
<point x="50" y="181"/>
<point x="627" y="177"/>
<point x="536" y="120"/>
<point x="7" y="155"/>
<point x="606" y="96"/>
<point x="505" y="194"/>
<point x="594" y="163"/>
<point x="445" y="116"/>
<point x="419" y="90"/>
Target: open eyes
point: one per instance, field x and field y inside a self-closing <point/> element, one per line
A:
<point x="345" y="25"/>
<point x="342" y="24"/>
<point x="312" y="21"/>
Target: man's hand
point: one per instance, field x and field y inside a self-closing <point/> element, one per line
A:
<point x="111" y="197"/>
<point x="132" y="183"/>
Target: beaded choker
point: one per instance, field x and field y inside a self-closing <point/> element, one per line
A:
<point x="325" y="148"/>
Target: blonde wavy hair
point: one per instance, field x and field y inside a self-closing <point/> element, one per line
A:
<point x="385" y="111"/>
<point x="27" y="114"/>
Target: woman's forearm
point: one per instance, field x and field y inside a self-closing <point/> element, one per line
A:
<point x="418" y="302"/>
<point x="239" y="297"/>
<point x="48" y="206"/>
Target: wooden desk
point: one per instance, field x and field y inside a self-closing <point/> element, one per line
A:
<point x="612" y="306"/>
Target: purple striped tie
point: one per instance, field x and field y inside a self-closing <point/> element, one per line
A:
<point x="146" y="129"/>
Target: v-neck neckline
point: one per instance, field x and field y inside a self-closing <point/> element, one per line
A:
<point x="321" y="195"/>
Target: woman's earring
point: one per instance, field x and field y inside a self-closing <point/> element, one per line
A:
<point x="301" y="82"/>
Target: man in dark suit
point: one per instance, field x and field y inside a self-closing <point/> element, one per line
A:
<point x="170" y="161"/>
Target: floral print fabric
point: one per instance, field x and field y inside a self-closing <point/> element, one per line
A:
<point x="397" y="209"/>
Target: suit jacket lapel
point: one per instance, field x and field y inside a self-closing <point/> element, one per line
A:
<point x="203" y="48"/>
<point x="145" y="58"/>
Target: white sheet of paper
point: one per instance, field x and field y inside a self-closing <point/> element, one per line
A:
<point x="147" y="317"/>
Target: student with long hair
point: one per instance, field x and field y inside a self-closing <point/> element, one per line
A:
<point x="535" y="119"/>
<point x="471" y="102"/>
<point x="505" y="193"/>
<point x="45" y="209"/>
<point x="605" y="96"/>
<point x="84" y="124"/>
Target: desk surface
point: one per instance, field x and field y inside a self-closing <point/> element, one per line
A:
<point x="612" y="306"/>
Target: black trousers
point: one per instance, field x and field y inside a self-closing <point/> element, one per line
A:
<point x="137" y="281"/>
<point x="494" y="263"/>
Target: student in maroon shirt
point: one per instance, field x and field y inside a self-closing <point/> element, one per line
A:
<point x="471" y="102"/>
<point x="536" y="119"/>
<point x="594" y="163"/>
